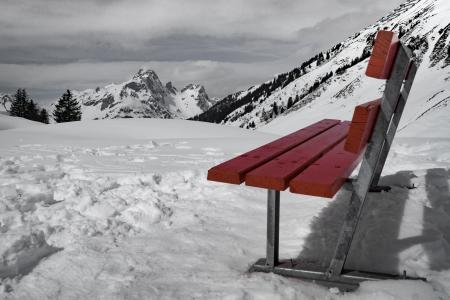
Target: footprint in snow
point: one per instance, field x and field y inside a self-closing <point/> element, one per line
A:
<point x="183" y="147"/>
<point x="137" y="160"/>
<point x="212" y="151"/>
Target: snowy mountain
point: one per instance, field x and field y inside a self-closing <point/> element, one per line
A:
<point x="331" y="83"/>
<point x="5" y="102"/>
<point x="143" y="96"/>
<point x="190" y="101"/>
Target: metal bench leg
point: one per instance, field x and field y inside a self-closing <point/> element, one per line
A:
<point x="273" y="227"/>
<point x="346" y="235"/>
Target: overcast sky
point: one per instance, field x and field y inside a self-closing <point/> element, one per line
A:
<point x="48" y="46"/>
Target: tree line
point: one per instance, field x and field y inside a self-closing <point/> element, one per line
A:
<point x="23" y="106"/>
<point x="67" y="109"/>
<point x="221" y="111"/>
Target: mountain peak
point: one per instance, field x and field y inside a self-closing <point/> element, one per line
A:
<point x="171" y="88"/>
<point x="145" y="73"/>
<point x="193" y="86"/>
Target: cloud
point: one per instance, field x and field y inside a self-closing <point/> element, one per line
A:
<point x="223" y="44"/>
<point x="132" y="23"/>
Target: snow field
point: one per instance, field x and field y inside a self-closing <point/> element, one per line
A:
<point x="151" y="223"/>
<point x="8" y="122"/>
<point x="116" y="211"/>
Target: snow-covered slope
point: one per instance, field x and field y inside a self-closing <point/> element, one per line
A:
<point x="332" y="83"/>
<point x="9" y="122"/>
<point x="143" y="96"/>
<point x="190" y="101"/>
<point x="121" y="209"/>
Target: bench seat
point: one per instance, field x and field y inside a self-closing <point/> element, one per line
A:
<point x="277" y="173"/>
<point x="315" y="160"/>
<point x="234" y="170"/>
<point x="325" y="176"/>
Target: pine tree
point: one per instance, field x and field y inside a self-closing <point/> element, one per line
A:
<point x="31" y="111"/>
<point x="23" y="106"/>
<point x="320" y="59"/>
<point x="264" y="115"/>
<point x="43" y="116"/>
<point x="275" y="108"/>
<point x="19" y="103"/>
<point x="67" y="109"/>
<point x="73" y="108"/>
<point x="59" y="114"/>
<point x="15" y="107"/>
<point x="289" y="103"/>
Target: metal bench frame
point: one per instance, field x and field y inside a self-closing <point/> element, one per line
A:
<point x="393" y="102"/>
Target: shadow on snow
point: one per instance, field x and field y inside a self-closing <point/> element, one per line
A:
<point x="376" y="245"/>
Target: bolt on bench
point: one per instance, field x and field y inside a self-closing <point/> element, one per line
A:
<point x="317" y="160"/>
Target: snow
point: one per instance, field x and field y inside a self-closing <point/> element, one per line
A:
<point x="126" y="131"/>
<point x="121" y="209"/>
<point x="185" y="103"/>
<point x="9" y="122"/>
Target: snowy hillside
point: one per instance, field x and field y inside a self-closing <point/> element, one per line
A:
<point x="143" y="96"/>
<point x="332" y="83"/>
<point x="121" y="209"/>
<point x="190" y="101"/>
<point x="9" y="122"/>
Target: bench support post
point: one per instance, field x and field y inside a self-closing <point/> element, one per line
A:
<point x="394" y="124"/>
<point x="273" y="227"/>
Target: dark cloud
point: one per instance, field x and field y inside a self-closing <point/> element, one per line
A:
<point x="51" y="45"/>
<point x="171" y="48"/>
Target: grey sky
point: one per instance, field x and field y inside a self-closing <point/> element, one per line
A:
<point x="48" y="46"/>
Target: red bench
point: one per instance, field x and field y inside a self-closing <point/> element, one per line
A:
<point x="317" y="160"/>
<point x="312" y="161"/>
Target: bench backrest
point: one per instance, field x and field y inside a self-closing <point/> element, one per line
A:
<point x="380" y="66"/>
<point x="383" y="55"/>
<point x="362" y="125"/>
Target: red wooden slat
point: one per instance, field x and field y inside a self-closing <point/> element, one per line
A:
<point x="383" y="55"/>
<point x="234" y="170"/>
<point x="277" y="173"/>
<point x="363" y="121"/>
<point x="326" y="176"/>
